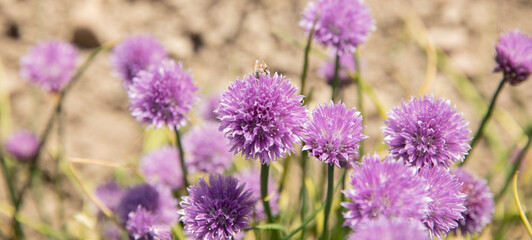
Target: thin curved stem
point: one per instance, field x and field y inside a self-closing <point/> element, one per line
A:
<point x="181" y="156"/>
<point x="521" y="212"/>
<point x="305" y="59"/>
<point x="480" y="130"/>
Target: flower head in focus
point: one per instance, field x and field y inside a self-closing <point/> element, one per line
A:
<point x="161" y="166"/>
<point x="262" y="116"/>
<point x="384" y="189"/>
<point x="390" y="229"/>
<point x="429" y="132"/>
<point x="135" y="54"/>
<point x="341" y="24"/>
<point x="334" y="133"/>
<point x="514" y="56"/>
<point x="216" y="210"/>
<point x="22" y="145"/>
<point x="479" y="203"/>
<point x="207" y="149"/>
<point x="447" y="205"/>
<point x="49" y="64"/>
<point x="163" y="95"/>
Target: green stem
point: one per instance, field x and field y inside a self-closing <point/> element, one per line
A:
<point x="181" y="155"/>
<point x="9" y="182"/>
<point x="480" y="130"/>
<point x="286" y="165"/>
<point x="303" y="190"/>
<point x="305" y="59"/>
<point x="360" y="98"/>
<point x="44" y="137"/>
<point x="515" y="166"/>
<point x="264" y="171"/>
<point x="335" y="81"/>
<point x="328" y="202"/>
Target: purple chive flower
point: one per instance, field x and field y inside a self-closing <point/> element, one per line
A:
<point x="342" y="24"/>
<point x="208" y="107"/>
<point x="216" y="210"/>
<point x="347" y="65"/>
<point x="333" y="133"/>
<point x="162" y="95"/>
<point x="388" y="189"/>
<point x="135" y="54"/>
<point x="162" y="166"/>
<point x="514" y="56"/>
<point x="110" y="195"/>
<point x="429" y="132"/>
<point x="49" y="64"/>
<point x="207" y="149"/>
<point x="22" y="145"/>
<point x="262" y="117"/>
<point x="447" y="205"/>
<point x="252" y="181"/>
<point x="156" y="200"/>
<point x="390" y="229"/>
<point x="142" y="225"/>
<point x="479" y="203"/>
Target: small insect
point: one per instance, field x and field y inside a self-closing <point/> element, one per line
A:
<point x="261" y="68"/>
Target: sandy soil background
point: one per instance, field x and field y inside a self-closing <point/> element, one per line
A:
<point x="220" y="40"/>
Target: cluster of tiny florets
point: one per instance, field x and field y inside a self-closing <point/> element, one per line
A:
<point x="514" y="56"/>
<point x="262" y="116"/>
<point x="161" y="166"/>
<point x="207" y="149"/>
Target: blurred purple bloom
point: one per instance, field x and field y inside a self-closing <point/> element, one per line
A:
<point x="390" y="229"/>
<point x="479" y="203"/>
<point x="134" y="54"/>
<point x="110" y="194"/>
<point x="262" y="117"/>
<point x="251" y="178"/>
<point x="208" y="106"/>
<point x="334" y="133"/>
<point x="429" y="132"/>
<point x="216" y="210"/>
<point x="207" y="149"/>
<point x="49" y="64"/>
<point x="161" y="166"/>
<point x="156" y="200"/>
<point x="347" y="65"/>
<point x="447" y="203"/>
<point x="142" y="225"/>
<point x="163" y="95"/>
<point x="342" y="24"/>
<point x="22" y="145"/>
<point x="384" y="189"/>
<point x="514" y="56"/>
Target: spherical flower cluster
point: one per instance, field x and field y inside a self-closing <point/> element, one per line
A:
<point x="161" y="166"/>
<point x="162" y="95"/>
<point x="142" y="224"/>
<point x="347" y="65"/>
<point x="208" y="107"/>
<point x="479" y="203"/>
<point x="342" y="24"/>
<point x="216" y="210"/>
<point x="390" y="229"/>
<point x="22" y="145"/>
<point x="49" y="64"/>
<point x="156" y="200"/>
<point x="447" y="205"/>
<point x="334" y="133"/>
<point x="514" y="56"/>
<point x="134" y="54"/>
<point x="384" y="189"/>
<point x="262" y="116"/>
<point x="429" y="132"/>
<point x="252" y="181"/>
<point x="207" y="149"/>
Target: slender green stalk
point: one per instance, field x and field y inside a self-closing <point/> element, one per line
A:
<point x="303" y="190"/>
<point x="181" y="155"/>
<point x="360" y="98"/>
<point x="305" y="59"/>
<point x="521" y="212"/>
<point x="335" y="81"/>
<point x="9" y="182"/>
<point x="480" y="130"/>
<point x="44" y="137"/>
<point x="515" y="166"/>
<point x="328" y="201"/>
<point x="264" y="171"/>
<point x="286" y="166"/>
